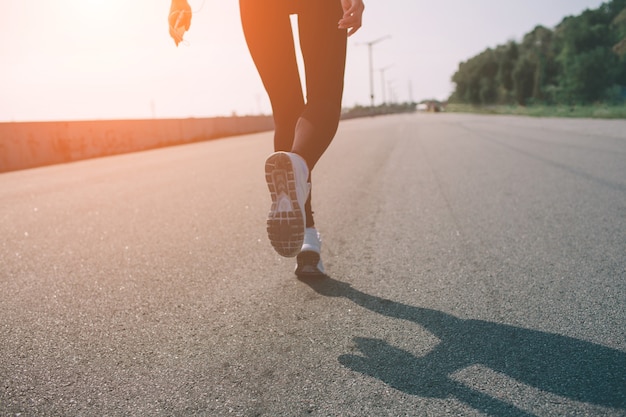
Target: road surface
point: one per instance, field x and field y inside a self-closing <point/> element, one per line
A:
<point x="477" y="266"/>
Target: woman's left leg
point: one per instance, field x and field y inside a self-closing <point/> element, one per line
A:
<point x="267" y="29"/>
<point x="268" y="33"/>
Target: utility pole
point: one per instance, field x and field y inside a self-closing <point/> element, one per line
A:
<point x="370" y="44"/>
<point x="382" y="82"/>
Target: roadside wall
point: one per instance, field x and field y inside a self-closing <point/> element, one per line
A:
<point x="33" y="144"/>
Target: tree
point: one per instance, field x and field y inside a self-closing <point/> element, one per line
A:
<point x="588" y="66"/>
<point x="583" y="60"/>
<point x="507" y="57"/>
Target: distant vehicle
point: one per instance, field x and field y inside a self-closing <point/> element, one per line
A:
<point x="433" y="106"/>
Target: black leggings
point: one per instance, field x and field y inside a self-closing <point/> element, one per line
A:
<point x="304" y="128"/>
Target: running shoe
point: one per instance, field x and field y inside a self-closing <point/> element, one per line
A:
<point x="287" y="176"/>
<point x="309" y="261"/>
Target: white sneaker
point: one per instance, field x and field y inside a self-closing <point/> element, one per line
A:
<point x="287" y="176"/>
<point x="309" y="259"/>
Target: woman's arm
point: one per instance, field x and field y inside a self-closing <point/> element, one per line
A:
<point x="352" y="15"/>
<point x="179" y="19"/>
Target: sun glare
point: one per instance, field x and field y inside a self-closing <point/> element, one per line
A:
<point x="90" y="49"/>
<point x="98" y="10"/>
<point x="98" y="5"/>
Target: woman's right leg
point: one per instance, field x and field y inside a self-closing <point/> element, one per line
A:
<point x="323" y="48"/>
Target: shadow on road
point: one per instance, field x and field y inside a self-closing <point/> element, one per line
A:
<point x="572" y="368"/>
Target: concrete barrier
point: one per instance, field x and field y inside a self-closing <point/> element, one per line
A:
<point x="33" y="144"/>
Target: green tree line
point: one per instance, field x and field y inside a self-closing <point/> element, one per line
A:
<point x="581" y="61"/>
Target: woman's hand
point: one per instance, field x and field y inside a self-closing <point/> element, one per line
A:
<point x="352" y="15"/>
<point x="179" y="19"/>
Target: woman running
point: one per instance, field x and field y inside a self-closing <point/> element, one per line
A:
<point x="303" y="128"/>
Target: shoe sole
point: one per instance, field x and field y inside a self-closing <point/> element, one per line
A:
<point x="285" y="222"/>
<point x="307" y="265"/>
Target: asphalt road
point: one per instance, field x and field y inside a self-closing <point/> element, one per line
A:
<point x="477" y="266"/>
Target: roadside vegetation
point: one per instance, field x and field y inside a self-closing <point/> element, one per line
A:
<point x="388" y="108"/>
<point x="599" y="111"/>
<point x="577" y="69"/>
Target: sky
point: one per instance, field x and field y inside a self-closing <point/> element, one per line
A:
<point x="114" y="59"/>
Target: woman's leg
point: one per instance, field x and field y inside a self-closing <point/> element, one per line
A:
<point x="303" y="129"/>
<point x="324" y="51"/>
<point x="268" y="32"/>
<point x="267" y="29"/>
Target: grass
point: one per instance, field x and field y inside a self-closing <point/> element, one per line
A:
<point x="599" y="111"/>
